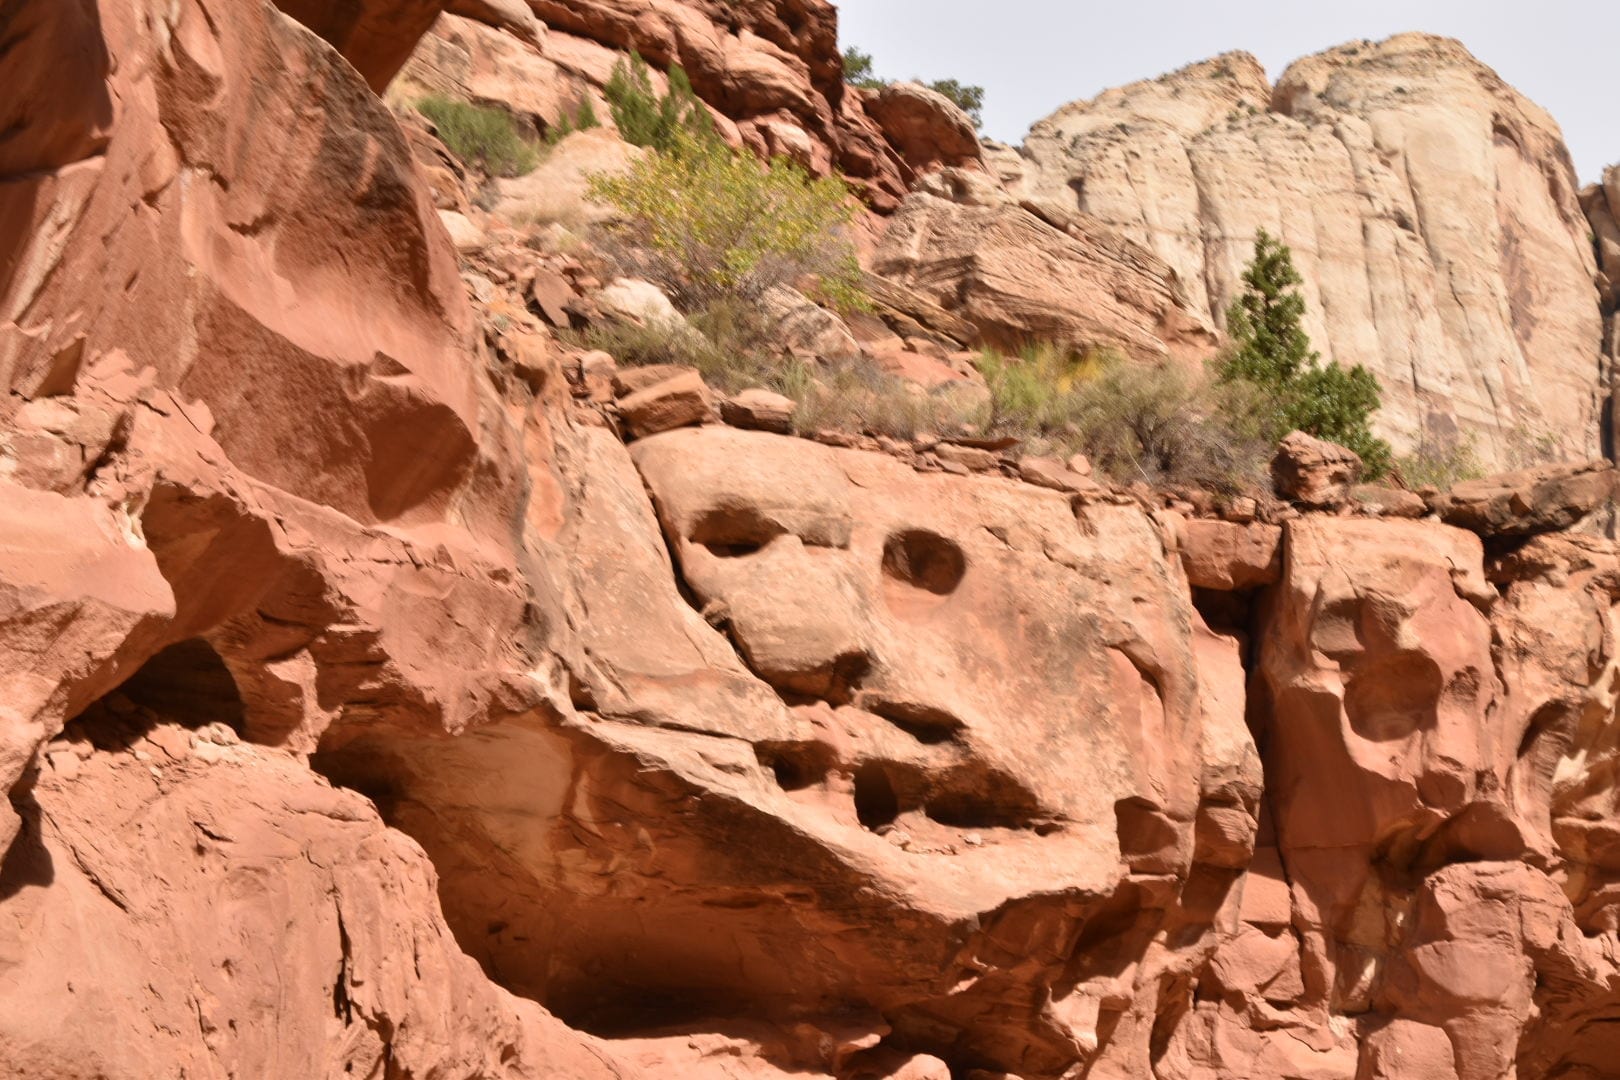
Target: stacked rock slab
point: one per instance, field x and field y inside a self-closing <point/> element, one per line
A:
<point x="1431" y="209"/>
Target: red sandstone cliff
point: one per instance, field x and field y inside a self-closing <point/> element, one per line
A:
<point x="372" y="707"/>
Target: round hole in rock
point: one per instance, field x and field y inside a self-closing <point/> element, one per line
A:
<point x="796" y="766"/>
<point x="876" y="803"/>
<point x="731" y="532"/>
<point x="924" y="560"/>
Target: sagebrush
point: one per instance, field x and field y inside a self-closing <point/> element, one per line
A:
<point x="1154" y="422"/>
<point x="480" y="136"/>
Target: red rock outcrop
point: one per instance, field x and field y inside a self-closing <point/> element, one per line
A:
<point x="185" y="904"/>
<point x="376" y="36"/>
<point x="253" y="474"/>
<point x="771" y="72"/>
<point x="865" y="766"/>
<point x="370" y="706"/>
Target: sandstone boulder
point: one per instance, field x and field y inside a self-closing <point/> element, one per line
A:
<point x="464" y="232"/>
<point x="1529" y="501"/>
<point x="759" y="410"/>
<point x="806" y="329"/>
<point x="675" y="402"/>
<point x="926" y="127"/>
<point x="642" y="303"/>
<point x="1227" y="556"/>
<point x="1314" y="472"/>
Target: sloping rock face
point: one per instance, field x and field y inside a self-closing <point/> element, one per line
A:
<point x="746" y="816"/>
<point x="1022" y="271"/>
<point x="1431" y="209"/>
<point x="376" y="36"/>
<point x="240" y="916"/>
<point x="230" y="321"/>
<point x="1602" y="205"/>
<point x="771" y="72"/>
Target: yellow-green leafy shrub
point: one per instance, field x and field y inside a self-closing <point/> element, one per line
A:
<point x="710" y="225"/>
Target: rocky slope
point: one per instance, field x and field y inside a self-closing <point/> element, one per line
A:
<point x="375" y="705"/>
<point x="771" y="72"/>
<point x="1431" y="208"/>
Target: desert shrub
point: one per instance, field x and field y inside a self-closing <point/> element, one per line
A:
<point x="1531" y="445"/>
<point x="640" y="345"/>
<point x="727" y="343"/>
<point x="1034" y="395"/>
<point x="731" y="347"/>
<point x="1439" y="462"/>
<point x="709" y="225"/>
<point x="858" y="70"/>
<point x="1162" y="424"/>
<point x="1271" y="351"/>
<point x="480" y="136"/>
<point x="1153" y="422"/>
<point x="859" y="397"/>
<point x="646" y="119"/>
<point x="581" y="119"/>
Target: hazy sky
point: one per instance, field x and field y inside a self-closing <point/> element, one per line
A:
<point x="1033" y="55"/>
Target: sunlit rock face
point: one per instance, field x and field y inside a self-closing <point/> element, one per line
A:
<point x="1431" y="208"/>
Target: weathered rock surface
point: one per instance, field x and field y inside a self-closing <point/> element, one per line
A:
<point x="1021" y="272"/>
<point x="1530" y="501"/>
<point x="868" y="768"/>
<point x="1314" y="472"/>
<point x="244" y="410"/>
<point x="186" y="905"/>
<point x="1431" y="209"/>
<point x="376" y="36"/>
<point x="1602" y="205"/>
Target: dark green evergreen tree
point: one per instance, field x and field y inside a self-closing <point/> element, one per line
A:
<point x="1271" y="350"/>
<point x="858" y="70"/>
<point x="646" y="119"/>
<point x="970" y="99"/>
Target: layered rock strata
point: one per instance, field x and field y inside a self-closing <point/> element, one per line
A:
<point x="1432" y="211"/>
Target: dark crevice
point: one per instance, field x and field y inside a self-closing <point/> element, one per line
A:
<point x="876" y="803"/>
<point x="187" y="683"/>
<point x="27" y="862"/>
<point x="927" y="724"/>
<point x="924" y="560"/>
<point x="796" y="766"/>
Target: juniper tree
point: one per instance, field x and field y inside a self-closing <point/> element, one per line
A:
<point x="1271" y="350"/>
